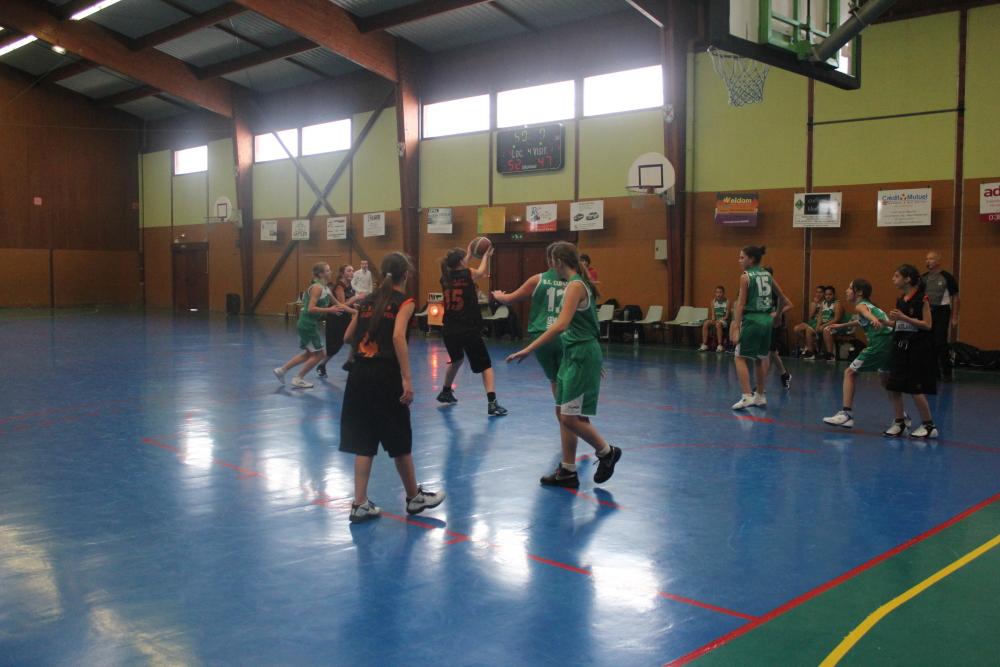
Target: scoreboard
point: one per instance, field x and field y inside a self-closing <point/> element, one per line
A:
<point x="529" y="149"/>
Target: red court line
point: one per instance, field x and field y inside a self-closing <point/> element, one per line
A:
<point x="564" y="566"/>
<point x="705" y="605"/>
<point x="587" y="496"/>
<point x="833" y="583"/>
<point x="246" y="472"/>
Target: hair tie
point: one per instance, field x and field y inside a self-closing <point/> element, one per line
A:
<point x="388" y="275"/>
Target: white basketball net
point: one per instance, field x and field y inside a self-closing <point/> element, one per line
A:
<point x="744" y="77"/>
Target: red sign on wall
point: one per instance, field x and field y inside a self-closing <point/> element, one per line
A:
<point x="37" y="201"/>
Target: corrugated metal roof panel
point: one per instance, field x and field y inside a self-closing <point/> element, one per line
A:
<point x="206" y="46"/>
<point x="134" y="18"/>
<point x="100" y="82"/>
<point x="479" y="23"/>
<point x="369" y="7"/>
<point x="200" y="6"/>
<point x="325" y="61"/>
<point x="260" y="29"/>
<point x="151" y="108"/>
<point x="35" y="58"/>
<point x="557" y="12"/>
<point x="275" y="75"/>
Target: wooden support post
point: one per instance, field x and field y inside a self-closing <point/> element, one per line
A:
<point x="243" y="159"/>
<point x="408" y="135"/>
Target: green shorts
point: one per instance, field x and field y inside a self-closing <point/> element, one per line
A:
<point x="579" y="381"/>
<point x="812" y="323"/>
<point x="874" y="358"/>
<point x="755" y="336"/>
<point x="311" y="337"/>
<point x="550" y="357"/>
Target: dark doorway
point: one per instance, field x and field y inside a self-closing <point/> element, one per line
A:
<point x="190" y="263"/>
<point x="516" y="261"/>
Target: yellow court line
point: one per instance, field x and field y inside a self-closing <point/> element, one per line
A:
<point x="857" y="633"/>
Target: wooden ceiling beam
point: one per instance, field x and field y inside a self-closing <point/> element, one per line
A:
<point x="256" y="58"/>
<point x="333" y="28"/>
<point x="410" y="13"/>
<point x="188" y="25"/>
<point x="89" y="40"/>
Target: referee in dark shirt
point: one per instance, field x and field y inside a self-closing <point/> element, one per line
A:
<point x="942" y="291"/>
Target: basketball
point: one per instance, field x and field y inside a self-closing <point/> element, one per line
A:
<point x="480" y="245"/>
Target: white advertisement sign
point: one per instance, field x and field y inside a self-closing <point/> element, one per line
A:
<point x="336" y="229"/>
<point x="300" y="230"/>
<point x="586" y="215"/>
<point x="816" y="209"/>
<point x="375" y="224"/>
<point x="541" y="217"/>
<point x="439" y="221"/>
<point x="268" y="230"/>
<point x="989" y="202"/>
<point x="904" y="208"/>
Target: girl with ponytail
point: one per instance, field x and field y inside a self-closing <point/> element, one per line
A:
<point x="463" y="325"/>
<point x="317" y="302"/>
<point x="380" y="389"/>
<point x="578" y="381"/>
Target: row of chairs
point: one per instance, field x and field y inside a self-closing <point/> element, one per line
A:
<point x="687" y="317"/>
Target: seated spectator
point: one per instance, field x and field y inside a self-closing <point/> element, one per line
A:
<point x="719" y="319"/>
<point x="591" y="271"/>
<point x="809" y="325"/>
<point x="830" y="312"/>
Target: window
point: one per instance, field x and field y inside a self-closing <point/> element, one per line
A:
<point x="623" y="91"/>
<point x="469" y="114"/>
<point x="537" y="104"/>
<point x="267" y="148"/>
<point x="326" y="137"/>
<point x="191" y="160"/>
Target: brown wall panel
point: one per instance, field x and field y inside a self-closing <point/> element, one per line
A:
<point x="979" y="322"/>
<point x="224" y="274"/>
<point x="24" y="278"/>
<point x="860" y="249"/>
<point x="158" y="268"/>
<point x="286" y="285"/>
<point x="96" y="276"/>
<point x="716" y="248"/>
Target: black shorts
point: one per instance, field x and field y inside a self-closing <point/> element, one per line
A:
<point x="468" y="343"/>
<point x="912" y="366"/>
<point x="372" y="413"/>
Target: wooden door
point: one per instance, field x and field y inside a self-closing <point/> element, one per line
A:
<point x="190" y="264"/>
<point x="513" y="263"/>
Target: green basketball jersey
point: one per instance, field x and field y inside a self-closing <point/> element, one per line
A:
<point x="719" y="308"/>
<point x="584" y="325"/>
<point x="871" y="333"/>
<point x="826" y="311"/>
<point x="325" y="300"/>
<point x="760" y="292"/>
<point x="546" y="302"/>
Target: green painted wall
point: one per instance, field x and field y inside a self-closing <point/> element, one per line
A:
<point x="549" y="186"/>
<point x="156" y="175"/>
<point x="906" y="67"/>
<point x="274" y="189"/>
<point x="376" y="164"/>
<point x="221" y="172"/>
<point x="455" y="171"/>
<point x="883" y="151"/>
<point x="609" y="145"/>
<point x="190" y="198"/>
<point x="982" y="94"/>
<point x="752" y="147"/>
<point x="321" y="168"/>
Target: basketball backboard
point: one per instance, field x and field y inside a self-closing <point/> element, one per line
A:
<point x="783" y="34"/>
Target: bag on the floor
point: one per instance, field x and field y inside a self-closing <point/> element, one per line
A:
<point x="967" y="356"/>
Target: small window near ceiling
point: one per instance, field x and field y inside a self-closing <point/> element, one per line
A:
<point x="537" y="104"/>
<point x="623" y="91"/>
<point x="266" y="147"/>
<point x="191" y="160"/>
<point x="469" y="114"/>
<point x="326" y="137"/>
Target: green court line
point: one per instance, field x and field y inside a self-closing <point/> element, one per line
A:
<point x="806" y="634"/>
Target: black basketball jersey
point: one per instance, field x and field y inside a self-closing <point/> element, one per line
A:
<point x="379" y="344"/>
<point x="461" y="305"/>
<point x="911" y="307"/>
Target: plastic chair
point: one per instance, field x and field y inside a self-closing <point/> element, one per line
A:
<point x="605" y="314"/>
<point x="502" y="314"/>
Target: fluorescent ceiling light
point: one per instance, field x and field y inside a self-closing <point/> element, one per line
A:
<point x="93" y="9"/>
<point x="58" y="49"/>
<point x="18" y="44"/>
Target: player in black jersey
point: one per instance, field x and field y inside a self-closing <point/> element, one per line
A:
<point x="379" y="391"/>
<point x="463" y="325"/>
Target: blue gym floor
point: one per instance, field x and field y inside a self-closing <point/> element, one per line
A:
<point x="164" y="501"/>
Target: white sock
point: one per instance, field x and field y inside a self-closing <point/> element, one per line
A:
<point x="568" y="467"/>
<point x="605" y="451"/>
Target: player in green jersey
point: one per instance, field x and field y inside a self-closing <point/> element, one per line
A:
<point x="874" y="358"/>
<point x="718" y="318"/>
<point x="578" y="382"/>
<point x="753" y="318"/>
<point x="546" y="293"/>
<point x="317" y="303"/>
